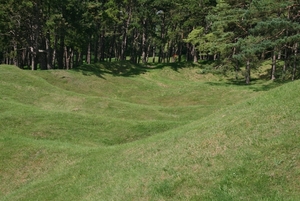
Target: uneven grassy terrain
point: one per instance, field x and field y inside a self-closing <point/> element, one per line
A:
<point x="161" y="133"/>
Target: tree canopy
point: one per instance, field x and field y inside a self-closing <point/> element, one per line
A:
<point x="66" y="33"/>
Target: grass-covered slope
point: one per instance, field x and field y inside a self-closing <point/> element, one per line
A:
<point x="160" y="135"/>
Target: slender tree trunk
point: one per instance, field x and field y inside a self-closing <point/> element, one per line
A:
<point x="34" y="46"/>
<point x="6" y="59"/>
<point x="194" y="53"/>
<point x="67" y="58"/>
<point x="144" y="49"/>
<point x="42" y="53"/>
<point x="263" y="55"/>
<point x="96" y="48"/>
<point x="247" y="74"/>
<point x="78" y="60"/>
<point x="215" y="57"/>
<point x="144" y="42"/>
<point x="273" y="70"/>
<point x="33" y="61"/>
<point x="148" y="51"/>
<point x="103" y="46"/>
<point x="28" y="58"/>
<point x="279" y="55"/>
<point x="189" y="52"/>
<point x="99" y="49"/>
<point x="15" y="55"/>
<point x="285" y="63"/>
<point x="180" y="45"/>
<point x="71" y="55"/>
<point x="125" y="33"/>
<point x="54" y="58"/>
<point x="111" y="49"/>
<point x="153" y="54"/>
<point x="88" y="55"/>
<point x="160" y="55"/>
<point x="23" y="58"/>
<point x="168" y="52"/>
<point x="48" y="51"/>
<point x="237" y="68"/>
<point x="61" y="51"/>
<point x="295" y="61"/>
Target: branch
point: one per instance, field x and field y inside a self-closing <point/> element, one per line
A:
<point x="242" y="27"/>
<point x="280" y="33"/>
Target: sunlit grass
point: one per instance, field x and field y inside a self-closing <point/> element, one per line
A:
<point x="161" y="133"/>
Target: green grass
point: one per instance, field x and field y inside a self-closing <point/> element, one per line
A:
<point x="159" y="133"/>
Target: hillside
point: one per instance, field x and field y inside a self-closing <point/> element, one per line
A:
<point x="159" y="135"/>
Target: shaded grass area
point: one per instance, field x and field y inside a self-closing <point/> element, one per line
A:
<point x="121" y="68"/>
<point x="164" y="134"/>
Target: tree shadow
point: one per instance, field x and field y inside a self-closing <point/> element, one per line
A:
<point x="127" y="68"/>
<point x="118" y="68"/>
<point x="90" y="69"/>
<point x="256" y="84"/>
<point x="173" y="65"/>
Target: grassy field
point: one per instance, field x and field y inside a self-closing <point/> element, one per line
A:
<point x="124" y="132"/>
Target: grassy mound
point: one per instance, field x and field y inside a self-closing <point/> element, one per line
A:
<point x="163" y="134"/>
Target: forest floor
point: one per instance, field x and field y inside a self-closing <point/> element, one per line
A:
<point x="117" y="131"/>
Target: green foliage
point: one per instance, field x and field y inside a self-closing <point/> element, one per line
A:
<point x="243" y="31"/>
<point x="59" y="34"/>
<point x="195" y="36"/>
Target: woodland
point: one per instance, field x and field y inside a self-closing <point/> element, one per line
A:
<point x="64" y="34"/>
<point x="149" y="100"/>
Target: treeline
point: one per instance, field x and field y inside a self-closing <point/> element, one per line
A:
<point x="245" y="32"/>
<point x="64" y="33"/>
<point x="50" y="34"/>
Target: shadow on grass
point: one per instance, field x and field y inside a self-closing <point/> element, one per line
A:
<point x="174" y="65"/>
<point x="90" y="69"/>
<point x="126" y="68"/>
<point x="123" y="68"/>
<point x="256" y="84"/>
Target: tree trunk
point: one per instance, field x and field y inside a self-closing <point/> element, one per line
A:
<point x="279" y="55"/>
<point x="23" y="58"/>
<point x="54" y="58"/>
<point x="148" y="51"/>
<point x="263" y="55"/>
<point x="194" y="53"/>
<point x="124" y="37"/>
<point x="49" y="51"/>
<point x="247" y="73"/>
<point x="168" y="52"/>
<point x="33" y="61"/>
<point x="42" y="54"/>
<point x="285" y="63"/>
<point x="153" y="54"/>
<point x="60" y="55"/>
<point x="273" y="66"/>
<point x="237" y="68"/>
<point x="78" y="59"/>
<point x="88" y="55"/>
<point x="180" y="45"/>
<point x="295" y="61"/>
<point x="160" y="55"/>
<point x="144" y="43"/>
<point x="67" y="58"/>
